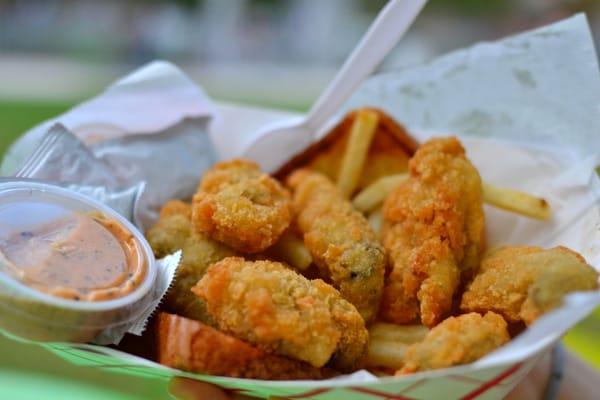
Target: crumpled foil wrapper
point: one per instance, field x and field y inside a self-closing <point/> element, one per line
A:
<point x="151" y="127"/>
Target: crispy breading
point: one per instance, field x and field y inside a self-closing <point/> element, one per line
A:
<point x="175" y="207"/>
<point x="456" y="341"/>
<point x="173" y="231"/>
<point x="192" y="346"/>
<point x="433" y="230"/>
<point x="280" y="311"/>
<point x="522" y="283"/>
<point x="342" y="243"/>
<point x="239" y="205"/>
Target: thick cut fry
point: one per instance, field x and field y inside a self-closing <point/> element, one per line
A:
<point x="373" y="195"/>
<point x="376" y="221"/>
<point x="515" y="201"/>
<point x="388" y="154"/>
<point x="507" y="199"/>
<point x="388" y="343"/>
<point x="386" y="354"/>
<point x="361" y="134"/>
<point x="398" y="333"/>
<point x="291" y="250"/>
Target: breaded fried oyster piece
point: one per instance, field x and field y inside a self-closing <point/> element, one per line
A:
<point x="433" y="231"/>
<point x="269" y="305"/>
<point x="173" y="231"/>
<point x="522" y="283"/>
<point x="340" y="239"/>
<point x="241" y="206"/>
<point x="456" y="341"/>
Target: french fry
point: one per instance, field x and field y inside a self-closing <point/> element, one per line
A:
<point x="517" y="202"/>
<point x="388" y="343"/>
<point x="374" y="194"/>
<point x="507" y="199"/>
<point x="361" y="134"/>
<point x="376" y="221"/>
<point x="290" y="249"/>
<point x="385" y="354"/>
<point x="407" y="334"/>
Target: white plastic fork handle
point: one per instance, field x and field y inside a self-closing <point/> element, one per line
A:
<point x="390" y="25"/>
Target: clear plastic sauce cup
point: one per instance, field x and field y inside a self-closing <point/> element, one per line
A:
<point x="70" y="267"/>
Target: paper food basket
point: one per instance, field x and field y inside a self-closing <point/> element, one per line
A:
<point x="528" y="111"/>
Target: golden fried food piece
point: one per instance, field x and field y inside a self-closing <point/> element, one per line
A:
<point x="522" y="283"/>
<point x="433" y="231"/>
<point x="343" y="245"/>
<point x="241" y="206"/>
<point x="172" y="228"/>
<point x="173" y="231"/>
<point x="192" y="346"/>
<point x="271" y="306"/>
<point x="175" y="207"/>
<point x="388" y="154"/>
<point x="456" y="341"/>
<point x="199" y="252"/>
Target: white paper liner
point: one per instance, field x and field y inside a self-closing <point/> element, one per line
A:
<point x="540" y="87"/>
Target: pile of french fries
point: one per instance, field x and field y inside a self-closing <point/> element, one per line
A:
<point x="388" y="342"/>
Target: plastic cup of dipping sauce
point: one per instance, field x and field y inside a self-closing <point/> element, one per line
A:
<point x="70" y="267"/>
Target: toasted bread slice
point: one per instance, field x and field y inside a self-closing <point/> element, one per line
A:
<point x="192" y="346"/>
<point x="389" y="152"/>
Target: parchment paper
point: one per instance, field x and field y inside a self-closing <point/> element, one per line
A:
<point x="539" y="87"/>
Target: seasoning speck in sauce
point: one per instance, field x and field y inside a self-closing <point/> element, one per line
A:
<point x="82" y="257"/>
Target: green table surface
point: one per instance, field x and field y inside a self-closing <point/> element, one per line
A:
<point x="31" y="372"/>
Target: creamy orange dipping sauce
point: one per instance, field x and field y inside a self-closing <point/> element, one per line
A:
<point x="83" y="257"/>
